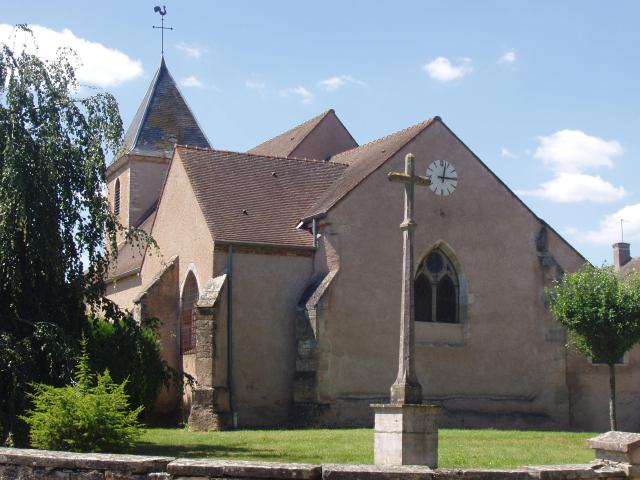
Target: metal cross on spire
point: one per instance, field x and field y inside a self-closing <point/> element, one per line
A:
<point x="406" y="389"/>
<point x="162" y="11"/>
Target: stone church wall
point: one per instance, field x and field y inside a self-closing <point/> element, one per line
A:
<point x="124" y="290"/>
<point x="589" y="386"/>
<point x="180" y="229"/>
<point x="158" y="300"/>
<point x="505" y="364"/>
<point x="589" y="390"/>
<point x="265" y="290"/>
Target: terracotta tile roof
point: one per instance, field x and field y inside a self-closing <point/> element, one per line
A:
<point x="287" y="142"/>
<point x="130" y="256"/>
<point x="362" y="162"/>
<point x="631" y="265"/>
<point x="163" y="119"/>
<point x="256" y="198"/>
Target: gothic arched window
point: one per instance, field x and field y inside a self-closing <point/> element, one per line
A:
<point x="436" y="291"/>
<point x="116" y="198"/>
<point x="187" y="314"/>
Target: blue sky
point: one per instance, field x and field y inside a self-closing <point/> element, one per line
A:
<point x="544" y="92"/>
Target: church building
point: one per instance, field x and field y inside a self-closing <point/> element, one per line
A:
<point x="278" y="273"/>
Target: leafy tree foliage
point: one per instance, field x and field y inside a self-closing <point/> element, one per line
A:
<point x="130" y="351"/>
<point x="53" y="214"/>
<point x="92" y="415"/>
<point x="602" y="313"/>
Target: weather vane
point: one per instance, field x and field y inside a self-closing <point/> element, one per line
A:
<point x="162" y="11"/>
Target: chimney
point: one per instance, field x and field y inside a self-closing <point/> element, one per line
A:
<point x="621" y="254"/>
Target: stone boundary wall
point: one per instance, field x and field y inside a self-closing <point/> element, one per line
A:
<point x="18" y="464"/>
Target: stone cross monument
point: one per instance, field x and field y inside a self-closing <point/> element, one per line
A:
<point x="406" y="388"/>
<point x="406" y="430"/>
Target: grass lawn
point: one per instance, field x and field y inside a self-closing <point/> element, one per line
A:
<point x="458" y="448"/>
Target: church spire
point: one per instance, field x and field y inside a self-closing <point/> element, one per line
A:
<point x="163" y="119"/>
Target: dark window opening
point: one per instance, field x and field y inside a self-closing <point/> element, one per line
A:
<point x="116" y="198"/>
<point x="446" y="301"/>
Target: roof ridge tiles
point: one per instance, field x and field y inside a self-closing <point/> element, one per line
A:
<point x="308" y="160"/>
<point x="422" y="124"/>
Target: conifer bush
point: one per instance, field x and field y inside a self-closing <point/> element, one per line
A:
<point x="90" y="415"/>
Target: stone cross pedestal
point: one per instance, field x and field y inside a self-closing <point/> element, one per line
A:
<point x="405" y="430"/>
<point x="406" y="434"/>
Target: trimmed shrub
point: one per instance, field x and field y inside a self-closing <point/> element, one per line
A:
<point x="91" y="415"/>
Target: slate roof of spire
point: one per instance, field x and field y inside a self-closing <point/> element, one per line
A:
<point x="285" y="143"/>
<point x="163" y="120"/>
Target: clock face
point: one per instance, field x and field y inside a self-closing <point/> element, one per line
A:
<point x="444" y="177"/>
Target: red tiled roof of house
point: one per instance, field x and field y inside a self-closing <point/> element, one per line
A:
<point x="285" y="143"/>
<point x="256" y="198"/>
<point x="362" y="162"/>
<point x="630" y="266"/>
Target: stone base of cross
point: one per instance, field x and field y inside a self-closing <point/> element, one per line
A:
<point x="406" y="432"/>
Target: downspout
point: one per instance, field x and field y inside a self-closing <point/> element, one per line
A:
<point x="314" y="232"/>
<point x="230" y="335"/>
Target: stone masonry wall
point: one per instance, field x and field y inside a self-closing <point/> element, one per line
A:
<point x="41" y="464"/>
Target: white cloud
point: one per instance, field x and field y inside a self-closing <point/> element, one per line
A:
<point x="608" y="231"/>
<point x="568" y="153"/>
<point x="255" y="85"/>
<point x="301" y="92"/>
<point x="99" y="65"/>
<point x="192" y="81"/>
<point x="577" y="187"/>
<point x="190" y="50"/>
<point x="506" y="153"/>
<point x="334" y="83"/>
<point x="443" y="70"/>
<point x="509" y="57"/>
<point x="574" y="150"/>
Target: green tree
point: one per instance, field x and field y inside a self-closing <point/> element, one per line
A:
<point x="53" y="214"/>
<point x="131" y="351"/>
<point x="92" y="415"/>
<point x="602" y="313"/>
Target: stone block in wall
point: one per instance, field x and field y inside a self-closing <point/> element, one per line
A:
<point x="243" y="469"/>
<point x="207" y="415"/>
<point x="622" y="447"/>
<point x="45" y="459"/>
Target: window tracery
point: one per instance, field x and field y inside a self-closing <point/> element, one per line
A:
<point x="436" y="290"/>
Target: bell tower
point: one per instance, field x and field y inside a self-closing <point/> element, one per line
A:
<point x="136" y="176"/>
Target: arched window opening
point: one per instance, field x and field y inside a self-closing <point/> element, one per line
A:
<point x="116" y="198"/>
<point x="436" y="290"/>
<point x="187" y="314"/>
